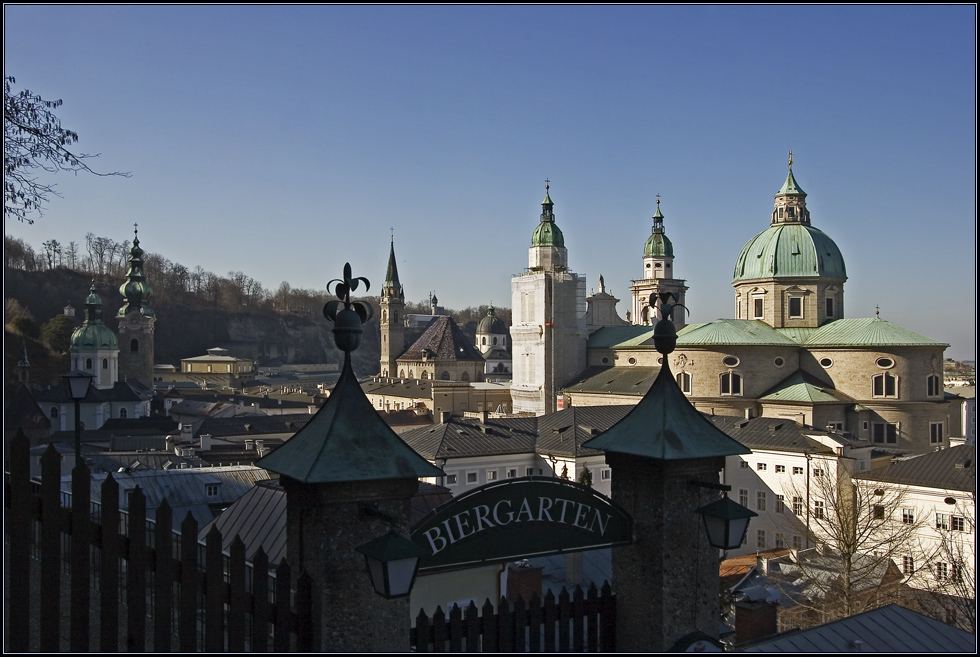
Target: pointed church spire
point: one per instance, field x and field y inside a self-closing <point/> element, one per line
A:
<point x="136" y="291"/>
<point x="391" y="277"/>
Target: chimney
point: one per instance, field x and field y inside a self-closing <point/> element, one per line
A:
<point x="205" y="441"/>
<point x="444" y="417"/>
<point x="754" y="620"/>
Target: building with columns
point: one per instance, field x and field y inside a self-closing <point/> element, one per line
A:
<point x="658" y="276"/>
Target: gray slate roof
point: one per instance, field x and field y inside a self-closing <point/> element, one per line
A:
<point x="948" y="469"/>
<point x="887" y="629"/>
<point x="442" y="340"/>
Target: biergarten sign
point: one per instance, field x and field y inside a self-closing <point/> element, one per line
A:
<point x="520" y="518"/>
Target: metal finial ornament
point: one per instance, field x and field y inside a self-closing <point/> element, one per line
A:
<point x="658" y="200"/>
<point x="876" y="311"/>
<point x="547" y="184"/>
<point x="664" y="333"/>
<point x="347" y="315"/>
<point x="791" y="159"/>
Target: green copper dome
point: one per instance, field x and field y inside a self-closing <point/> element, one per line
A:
<point x="93" y="334"/>
<point x="658" y="246"/>
<point x="547" y="233"/>
<point x="789" y="251"/>
<point x="491" y="323"/>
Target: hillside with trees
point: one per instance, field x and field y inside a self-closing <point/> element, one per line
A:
<point x="195" y="308"/>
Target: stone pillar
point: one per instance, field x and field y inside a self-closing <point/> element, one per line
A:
<point x="324" y="523"/>
<point x="667" y="582"/>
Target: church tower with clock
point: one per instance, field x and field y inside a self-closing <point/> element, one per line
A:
<point x="136" y="320"/>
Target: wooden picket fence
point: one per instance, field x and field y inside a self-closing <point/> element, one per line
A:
<point x="581" y="622"/>
<point x="140" y="583"/>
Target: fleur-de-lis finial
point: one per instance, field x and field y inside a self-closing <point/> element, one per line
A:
<point x="347" y="315"/>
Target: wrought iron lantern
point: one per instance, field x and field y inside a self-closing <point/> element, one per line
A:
<point x="726" y="522"/>
<point x="392" y="563"/>
<point x="76" y="385"/>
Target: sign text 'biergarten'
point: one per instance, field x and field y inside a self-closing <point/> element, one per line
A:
<point x="518" y="518"/>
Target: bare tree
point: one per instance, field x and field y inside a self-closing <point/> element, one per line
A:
<point x="34" y="139"/>
<point x="869" y="531"/>
<point x="52" y="253"/>
<point x="71" y="255"/>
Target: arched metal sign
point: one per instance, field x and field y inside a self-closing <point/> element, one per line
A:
<point x="518" y="518"/>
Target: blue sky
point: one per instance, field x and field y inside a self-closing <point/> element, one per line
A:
<point x="283" y="142"/>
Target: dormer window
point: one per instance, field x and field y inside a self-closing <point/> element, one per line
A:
<point x="796" y="307"/>
<point x="211" y="490"/>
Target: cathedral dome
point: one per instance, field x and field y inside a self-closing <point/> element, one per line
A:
<point x="789" y="251"/>
<point x="93" y="334"/>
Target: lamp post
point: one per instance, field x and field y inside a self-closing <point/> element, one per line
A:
<point x="77" y="384"/>
<point x="392" y="563"/>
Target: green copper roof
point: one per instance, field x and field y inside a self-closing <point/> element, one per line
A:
<point x="664" y="425"/>
<point x="346" y="441"/>
<point x="547" y="233"/>
<point x="732" y="332"/>
<point x="658" y="246"/>
<point x="791" y="186"/>
<point x="490" y="323"/>
<point x="867" y="332"/>
<point x="136" y="291"/>
<point x="803" y="388"/>
<point x="93" y="334"/>
<point x="789" y="251"/>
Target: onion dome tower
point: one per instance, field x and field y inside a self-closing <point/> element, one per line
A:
<point x="790" y="275"/>
<point x="94" y="348"/>
<point x="658" y="276"/>
<point x="547" y="252"/>
<point x="136" y="321"/>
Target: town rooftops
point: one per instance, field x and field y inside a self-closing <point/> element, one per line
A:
<point x="948" y="469"/>
<point x="890" y="628"/>
<point x="802" y="387"/>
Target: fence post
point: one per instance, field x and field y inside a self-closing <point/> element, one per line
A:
<point x="136" y="573"/>
<point x="109" y="568"/>
<point x="260" y="601"/>
<point x="81" y="494"/>
<point x="19" y="536"/>
<point x="214" y="593"/>
<point x="51" y="520"/>
<point x="163" y="579"/>
<point x="190" y="585"/>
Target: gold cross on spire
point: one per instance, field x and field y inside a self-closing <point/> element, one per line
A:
<point x="658" y="199"/>
<point x="791" y="159"/>
<point x="547" y="184"/>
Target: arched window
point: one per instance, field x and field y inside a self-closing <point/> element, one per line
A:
<point x="54" y="412"/>
<point x="731" y="384"/>
<point x="484" y="340"/>
<point x="411" y="374"/>
<point x="495" y="342"/>
<point x="401" y="373"/>
<point x="88" y="363"/>
<point x="134" y="346"/>
<point x="465" y="377"/>
<point x="933" y="385"/>
<point x="884" y="385"/>
<point x="105" y="363"/>
<point x="122" y="412"/>
<point x="425" y="375"/>
<point x="444" y="376"/>
<point x="684" y="382"/>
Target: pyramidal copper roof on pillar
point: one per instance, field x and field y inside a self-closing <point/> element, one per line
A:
<point x="664" y="425"/>
<point x="347" y="440"/>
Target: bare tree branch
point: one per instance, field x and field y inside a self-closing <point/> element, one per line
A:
<point x="34" y="139"/>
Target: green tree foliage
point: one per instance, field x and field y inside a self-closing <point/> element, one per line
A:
<point x="56" y="333"/>
<point x="34" y="140"/>
<point x="25" y="326"/>
<point x="585" y="477"/>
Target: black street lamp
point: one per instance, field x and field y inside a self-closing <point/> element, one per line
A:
<point x="392" y="563"/>
<point x="726" y="522"/>
<point x="77" y="384"/>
